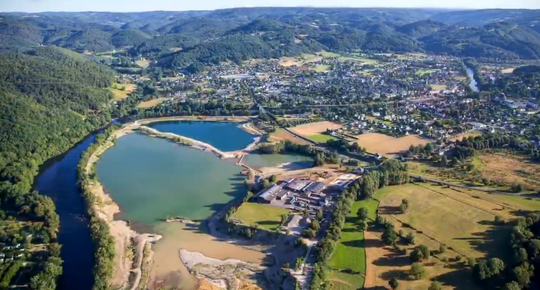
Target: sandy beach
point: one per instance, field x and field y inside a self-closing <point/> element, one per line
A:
<point x="105" y="208"/>
<point x="166" y="262"/>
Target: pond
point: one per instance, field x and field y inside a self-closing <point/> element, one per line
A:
<point x="225" y="136"/>
<point x="268" y="160"/>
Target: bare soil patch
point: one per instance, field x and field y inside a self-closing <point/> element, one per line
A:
<point x="151" y="103"/>
<point x="508" y="70"/>
<point x="315" y="128"/>
<point x="288" y="62"/>
<point x="388" y="145"/>
<point x="281" y="134"/>
<point x="468" y="135"/>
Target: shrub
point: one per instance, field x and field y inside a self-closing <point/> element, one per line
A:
<point x="418" y="271"/>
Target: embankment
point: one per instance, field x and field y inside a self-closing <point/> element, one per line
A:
<point x="113" y="239"/>
<point x="188" y="141"/>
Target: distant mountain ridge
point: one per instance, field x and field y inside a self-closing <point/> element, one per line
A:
<point x="181" y="39"/>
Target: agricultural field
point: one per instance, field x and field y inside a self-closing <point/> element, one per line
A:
<point x="121" y="91"/>
<point x="422" y="72"/>
<point x="281" y="134"/>
<point x="321" y="138"/>
<point x="350" y="252"/>
<point x="322" y="68"/>
<point x="469" y="134"/>
<point x="264" y="216"/>
<point x="151" y="103"/>
<point x="329" y="54"/>
<point x="315" y="128"/>
<point x="144" y="63"/>
<point x="367" y="61"/>
<point x="388" y="145"/>
<point x="507" y="169"/>
<point x="288" y="61"/>
<point x="438" y="87"/>
<point x="460" y="219"/>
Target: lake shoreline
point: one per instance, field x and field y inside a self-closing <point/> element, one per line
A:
<point x="106" y="208"/>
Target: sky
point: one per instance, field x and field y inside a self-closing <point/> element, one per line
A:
<point x="182" y="5"/>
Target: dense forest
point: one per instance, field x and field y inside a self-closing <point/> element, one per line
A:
<point x="49" y="99"/>
<point x="184" y="39"/>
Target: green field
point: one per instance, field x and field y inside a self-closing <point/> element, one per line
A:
<point x="329" y="54"/>
<point x="359" y="59"/>
<point x="439" y="87"/>
<point x="321" y="138"/>
<point x="350" y="252"/>
<point x="322" y="68"/>
<point x="422" y="72"/>
<point x="264" y="216"/>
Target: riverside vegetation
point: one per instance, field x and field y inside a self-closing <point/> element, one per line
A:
<point x="47" y="101"/>
<point x="104" y="251"/>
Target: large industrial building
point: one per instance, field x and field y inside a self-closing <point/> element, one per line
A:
<point x="291" y="190"/>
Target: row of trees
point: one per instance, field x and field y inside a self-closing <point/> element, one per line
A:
<point x="104" y="251"/>
<point x="326" y="246"/>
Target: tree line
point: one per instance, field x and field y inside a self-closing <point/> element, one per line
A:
<point x="104" y="243"/>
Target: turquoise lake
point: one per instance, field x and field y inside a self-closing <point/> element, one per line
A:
<point x="151" y="178"/>
<point x="225" y="136"/>
<point x="267" y="160"/>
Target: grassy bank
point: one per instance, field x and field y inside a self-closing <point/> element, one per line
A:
<point x="264" y="216"/>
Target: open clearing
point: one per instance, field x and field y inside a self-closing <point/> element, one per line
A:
<point x="152" y="103"/>
<point x="329" y="54"/>
<point x="281" y="134"/>
<point x="388" y="145"/>
<point x="461" y="136"/>
<point x="350" y="251"/>
<point x="315" y="128"/>
<point x="508" y="70"/>
<point x="144" y="63"/>
<point x="438" y="87"/>
<point x="322" y="68"/>
<point x="263" y="216"/>
<point x="321" y="138"/>
<point x="422" y="72"/>
<point x="287" y="61"/>
<point x="459" y="218"/>
<point x="121" y="91"/>
<point x="507" y="169"/>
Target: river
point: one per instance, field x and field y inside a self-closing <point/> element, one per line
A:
<point x="58" y="180"/>
<point x="151" y="178"/>
<point x="472" y="84"/>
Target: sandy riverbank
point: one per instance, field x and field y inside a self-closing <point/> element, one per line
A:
<point x="105" y="208"/>
<point x="129" y="245"/>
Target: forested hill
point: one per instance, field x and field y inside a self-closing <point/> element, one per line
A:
<point x="182" y="39"/>
<point x="47" y="100"/>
